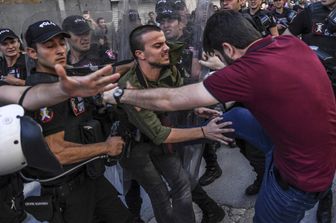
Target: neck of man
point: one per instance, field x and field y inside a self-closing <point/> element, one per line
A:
<point x="43" y="69"/>
<point x="279" y="10"/>
<point x="150" y="72"/>
<point x="254" y="11"/>
<point x="75" y="56"/>
<point x="11" y="60"/>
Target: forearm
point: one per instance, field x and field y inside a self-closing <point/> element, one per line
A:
<point x="44" y="95"/>
<point x="181" y="135"/>
<point x="158" y="99"/>
<point x="169" y="99"/>
<point x="68" y="152"/>
<point x="74" y="153"/>
<point x="274" y="31"/>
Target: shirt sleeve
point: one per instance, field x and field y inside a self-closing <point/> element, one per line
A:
<point x="52" y="119"/>
<point x="231" y="83"/>
<point x="148" y="123"/>
<point x="301" y="24"/>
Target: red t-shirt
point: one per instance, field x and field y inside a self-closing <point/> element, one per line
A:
<point x="287" y="89"/>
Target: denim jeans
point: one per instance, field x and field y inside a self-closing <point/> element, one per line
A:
<point x="147" y="163"/>
<point x="274" y="204"/>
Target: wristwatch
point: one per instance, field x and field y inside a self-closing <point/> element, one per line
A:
<point x="117" y="94"/>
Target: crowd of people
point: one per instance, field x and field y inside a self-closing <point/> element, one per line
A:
<point x="189" y="82"/>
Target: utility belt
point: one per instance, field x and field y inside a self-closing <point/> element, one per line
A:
<point x="48" y="206"/>
<point x="285" y="186"/>
<point x="69" y="184"/>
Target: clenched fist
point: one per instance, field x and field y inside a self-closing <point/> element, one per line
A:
<point x="115" y="145"/>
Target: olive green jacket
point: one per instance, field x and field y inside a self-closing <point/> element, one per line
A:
<point x="148" y="121"/>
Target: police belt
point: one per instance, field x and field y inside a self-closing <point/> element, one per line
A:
<point x="67" y="185"/>
<point x="285" y="186"/>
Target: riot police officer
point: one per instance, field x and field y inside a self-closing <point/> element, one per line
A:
<point x="12" y="65"/>
<point x="74" y="149"/>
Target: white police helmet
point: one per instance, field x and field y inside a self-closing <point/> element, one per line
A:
<point x="22" y="143"/>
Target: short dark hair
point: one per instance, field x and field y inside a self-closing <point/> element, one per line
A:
<point x="231" y="27"/>
<point x="100" y="18"/>
<point x="135" y="40"/>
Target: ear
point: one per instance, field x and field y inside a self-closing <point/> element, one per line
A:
<point x="229" y="49"/>
<point x="32" y="53"/>
<point x="139" y="55"/>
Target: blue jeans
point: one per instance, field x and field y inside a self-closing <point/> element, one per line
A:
<point x="274" y="204"/>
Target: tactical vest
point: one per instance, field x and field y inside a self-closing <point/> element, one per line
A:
<point x="319" y="35"/>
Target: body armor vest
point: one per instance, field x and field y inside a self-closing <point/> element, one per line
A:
<point x="319" y="35"/>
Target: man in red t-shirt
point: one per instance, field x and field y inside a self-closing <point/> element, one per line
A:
<point x="291" y="97"/>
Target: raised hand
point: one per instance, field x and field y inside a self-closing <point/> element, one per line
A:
<point x="89" y="85"/>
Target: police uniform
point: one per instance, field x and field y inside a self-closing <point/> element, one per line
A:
<point x="18" y="70"/>
<point x="284" y="18"/>
<point x="11" y="195"/>
<point x="267" y="16"/>
<point x="11" y="199"/>
<point x="97" y="55"/>
<point x="311" y="23"/>
<point x="85" y="190"/>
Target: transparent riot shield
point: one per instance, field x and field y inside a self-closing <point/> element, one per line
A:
<point x="129" y="19"/>
<point x="201" y="14"/>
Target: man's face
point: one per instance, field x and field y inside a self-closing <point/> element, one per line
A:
<point x="49" y="53"/>
<point x="329" y="3"/>
<point x="172" y="28"/>
<point x="254" y="4"/>
<point x="86" y="16"/>
<point x="156" y="51"/>
<point x="151" y="15"/>
<point x="101" y="23"/>
<point x="10" y="47"/>
<point x="80" y="43"/>
<point x="279" y="3"/>
<point x="184" y="14"/>
<point x="230" y="5"/>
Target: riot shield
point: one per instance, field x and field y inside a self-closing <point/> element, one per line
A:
<point x="203" y="11"/>
<point x="128" y="20"/>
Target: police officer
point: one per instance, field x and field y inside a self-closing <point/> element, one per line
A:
<point x="11" y="185"/>
<point x="12" y="65"/>
<point x="82" y="51"/>
<point x="317" y="30"/>
<point x="282" y="15"/>
<point x="264" y="20"/>
<point x="83" y="189"/>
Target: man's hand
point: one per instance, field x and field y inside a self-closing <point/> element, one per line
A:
<point x="108" y="97"/>
<point x="13" y="80"/>
<point x="215" y="131"/>
<point x="208" y="113"/>
<point x="89" y="85"/>
<point x="115" y="145"/>
<point x="211" y="61"/>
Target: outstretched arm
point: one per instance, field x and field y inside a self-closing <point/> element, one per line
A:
<point x="50" y="94"/>
<point x="166" y="99"/>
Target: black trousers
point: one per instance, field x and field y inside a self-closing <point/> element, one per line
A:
<point x="11" y="199"/>
<point x="93" y="201"/>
